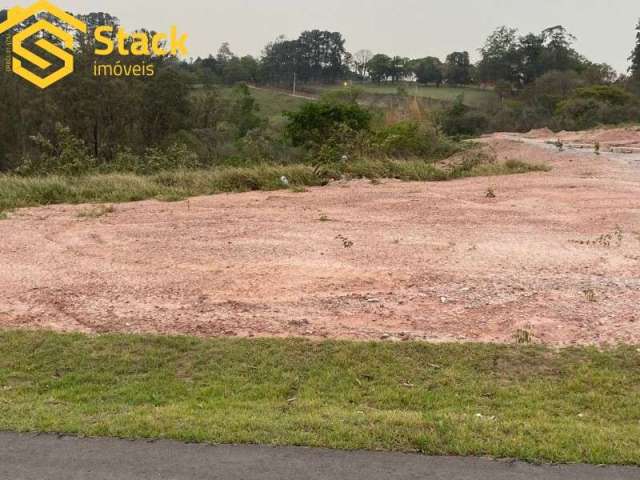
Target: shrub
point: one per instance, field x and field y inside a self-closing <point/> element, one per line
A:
<point x="64" y="154"/>
<point x="256" y="147"/>
<point x="176" y="156"/>
<point x="244" y="110"/>
<point x="550" y="89"/>
<point x="316" y="122"/>
<point x="342" y="145"/>
<point x="599" y="104"/>
<point x="517" y="116"/>
<point x="403" y="139"/>
<point x="412" y="139"/>
<point x="606" y="93"/>
<point x="460" y="120"/>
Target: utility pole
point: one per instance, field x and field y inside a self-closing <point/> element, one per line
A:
<point x="295" y="78"/>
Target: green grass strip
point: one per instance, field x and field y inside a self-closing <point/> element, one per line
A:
<point x="525" y="402"/>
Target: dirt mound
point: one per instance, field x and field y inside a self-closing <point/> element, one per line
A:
<point x="605" y="136"/>
<point x="554" y="256"/>
<point x="480" y="155"/>
<point x="539" y="133"/>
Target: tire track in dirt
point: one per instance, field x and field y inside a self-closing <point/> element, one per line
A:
<point x="431" y="261"/>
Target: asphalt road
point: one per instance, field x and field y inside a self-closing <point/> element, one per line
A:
<point x="47" y="457"/>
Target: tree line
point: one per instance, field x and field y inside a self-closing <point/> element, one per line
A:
<point x="133" y="122"/>
<point x="109" y="120"/>
<point x="507" y="58"/>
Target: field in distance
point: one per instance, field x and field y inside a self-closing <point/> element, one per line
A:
<point x="473" y="97"/>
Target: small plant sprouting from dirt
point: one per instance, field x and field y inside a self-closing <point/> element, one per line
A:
<point x="345" y="241"/>
<point x="491" y="193"/>
<point x="96" y="212"/>
<point x="606" y="240"/>
<point x="596" y="148"/>
<point x="590" y="295"/>
<point x="325" y="218"/>
<point x="559" y="145"/>
<point x="298" y="189"/>
<point x="523" y="337"/>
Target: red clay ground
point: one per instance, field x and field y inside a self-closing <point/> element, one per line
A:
<point x="556" y="254"/>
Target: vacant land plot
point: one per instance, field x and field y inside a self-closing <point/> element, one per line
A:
<point x="542" y="257"/>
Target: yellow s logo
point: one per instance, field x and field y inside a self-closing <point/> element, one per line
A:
<point x="18" y="15"/>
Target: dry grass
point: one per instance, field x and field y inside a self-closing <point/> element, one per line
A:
<point x="18" y="192"/>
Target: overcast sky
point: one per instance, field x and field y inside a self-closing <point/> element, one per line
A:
<point x="412" y="28"/>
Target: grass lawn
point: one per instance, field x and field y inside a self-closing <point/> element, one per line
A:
<point x="273" y="102"/>
<point x="18" y="192"/>
<point x="532" y="403"/>
<point x="473" y="97"/>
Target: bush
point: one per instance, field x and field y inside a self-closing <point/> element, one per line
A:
<point x="517" y="116"/>
<point x="176" y="156"/>
<point x="316" y="122"/>
<point x="244" y="110"/>
<point x="606" y="94"/>
<point x="65" y="154"/>
<point x="549" y="90"/>
<point x="561" y="101"/>
<point x="599" y="104"/>
<point x="460" y="120"/>
<point x="412" y="139"/>
<point x="255" y="147"/>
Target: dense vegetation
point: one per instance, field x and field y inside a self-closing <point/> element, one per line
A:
<point x="202" y="113"/>
<point x="186" y="117"/>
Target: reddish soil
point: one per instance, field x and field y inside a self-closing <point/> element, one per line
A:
<point x="607" y="137"/>
<point x="555" y="254"/>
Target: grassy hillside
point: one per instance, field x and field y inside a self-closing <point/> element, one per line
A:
<point x="473" y="97"/>
<point x="273" y="102"/>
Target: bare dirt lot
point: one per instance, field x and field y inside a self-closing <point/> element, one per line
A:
<point x="554" y="254"/>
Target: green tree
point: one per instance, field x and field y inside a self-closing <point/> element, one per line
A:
<point x="500" y="57"/>
<point x="379" y="67"/>
<point x="321" y="56"/>
<point x="458" y="68"/>
<point x="530" y="55"/>
<point x="244" y="110"/>
<point x="280" y="62"/>
<point x="559" y="53"/>
<point x="428" y="70"/>
<point x="399" y="68"/>
<point x="521" y="60"/>
<point x="634" y="69"/>
<point x="165" y="106"/>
